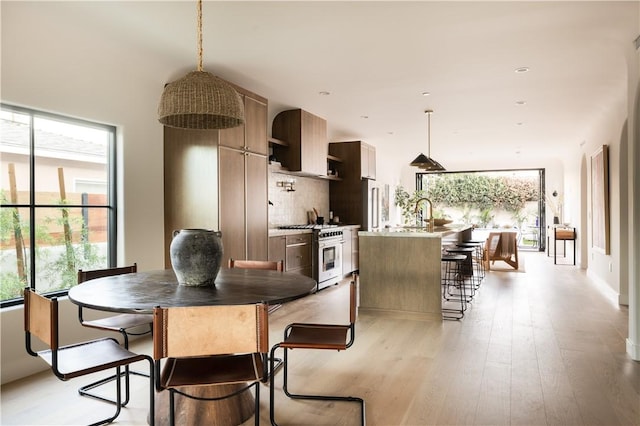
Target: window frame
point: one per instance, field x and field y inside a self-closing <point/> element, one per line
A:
<point x="32" y="206"/>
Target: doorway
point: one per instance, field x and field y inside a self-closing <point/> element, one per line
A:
<point x="490" y="200"/>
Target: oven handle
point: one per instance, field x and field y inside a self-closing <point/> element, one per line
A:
<point x="322" y="244"/>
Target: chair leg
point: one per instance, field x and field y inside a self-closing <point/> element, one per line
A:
<point x="85" y="390"/>
<point x="117" y="402"/>
<point x="305" y="396"/>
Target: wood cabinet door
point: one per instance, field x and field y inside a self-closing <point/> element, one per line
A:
<point x="367" y="161"/>
<point x="371" y="162"/>
<point x="232" y="204"/>
<point x="233" y="137"/>
<point x="256" y="212"/>
<point x="255" y="113"/>
<point x="277" y="249"/>
<point x="315" y="146"/>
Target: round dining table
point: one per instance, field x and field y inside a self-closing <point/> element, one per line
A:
<point x="140" y="292"/>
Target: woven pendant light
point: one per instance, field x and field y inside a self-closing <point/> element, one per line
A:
<point x="425" y="162"/>
<point x="200" y="100"/>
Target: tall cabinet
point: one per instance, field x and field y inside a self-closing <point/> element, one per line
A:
<point x="218" y="179"/>
<point x="243" y="184"/>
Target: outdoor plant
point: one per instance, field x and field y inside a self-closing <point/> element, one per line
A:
<point x="407" y="203"/>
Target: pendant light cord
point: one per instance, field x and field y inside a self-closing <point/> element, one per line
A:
<point x="200" y="35"/>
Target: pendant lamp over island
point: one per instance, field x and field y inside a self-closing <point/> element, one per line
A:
<point x="200" y="100"/>
<point x="425" y="162"/>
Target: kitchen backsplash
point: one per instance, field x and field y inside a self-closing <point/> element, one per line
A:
<point x="291" y="207"/>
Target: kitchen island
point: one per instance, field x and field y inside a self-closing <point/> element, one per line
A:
<point x="400" y="270"/>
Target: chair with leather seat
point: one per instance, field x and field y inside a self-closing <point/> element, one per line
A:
<point x="121" y="323"/>
<point x="78" y="359"/>
<point x="317" y="336"/>
<point x="210" y="346"/>
<point x="259" y="264"/>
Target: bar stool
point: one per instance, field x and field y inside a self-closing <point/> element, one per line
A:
<point x="467" y="268"/>
<point x="478" y="257"/>
<point x="453" y="286"/>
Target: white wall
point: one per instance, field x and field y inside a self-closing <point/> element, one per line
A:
<point x="75" y="72"/>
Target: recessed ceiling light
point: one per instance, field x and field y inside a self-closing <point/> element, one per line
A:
<point x="522" y="69"/>
<point x="426" y="93"/>
<point x="521" y="102"/>
<point x="324" y="93"/>
<point x="364" y="116"/>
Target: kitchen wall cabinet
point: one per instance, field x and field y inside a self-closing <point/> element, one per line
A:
<point x="217" y="179"/>
<point x="367" y="161"/>
<point x="346" y="197"/>
<point x="306" y="137"/>
<point x="357" y="159"/>
<point x="296" y="250"/>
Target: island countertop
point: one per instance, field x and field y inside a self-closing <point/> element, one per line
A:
<point x="419" y="232"/>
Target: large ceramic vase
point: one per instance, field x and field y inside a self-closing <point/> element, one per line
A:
<point x="196" y="255"/>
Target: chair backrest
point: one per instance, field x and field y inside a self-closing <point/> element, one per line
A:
<point x="210" y="330"/>
<point x="257" y="264"/>
<point x="40" y="320"/>
<point x="107" y="272"/>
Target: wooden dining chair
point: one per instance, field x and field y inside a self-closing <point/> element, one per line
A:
<point x="78" y="359"/>
<point x="259" y="264"/>
<point x="210" y="346"/>
<point x="317" y="336"/>
<point x="121" y="323"/>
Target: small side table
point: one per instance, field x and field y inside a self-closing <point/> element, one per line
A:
<point x="564" y="234"/>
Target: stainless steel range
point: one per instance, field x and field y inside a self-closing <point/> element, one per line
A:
<point x="327" y="253"/>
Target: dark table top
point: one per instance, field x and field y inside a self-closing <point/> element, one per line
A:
<point x="142" y="291"/>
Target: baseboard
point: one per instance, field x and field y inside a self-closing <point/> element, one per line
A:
<point x="605" y="288"/>
<point x="633" y="349"/>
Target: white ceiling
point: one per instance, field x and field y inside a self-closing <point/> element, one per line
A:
<point x="376" y="58"/>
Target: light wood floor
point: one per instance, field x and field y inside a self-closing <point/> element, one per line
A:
<point x="543" y="347"/>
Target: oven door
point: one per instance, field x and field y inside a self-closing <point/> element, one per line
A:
<point x="329" y="260"/>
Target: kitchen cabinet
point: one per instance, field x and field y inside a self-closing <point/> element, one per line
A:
<point x="296" y="250"/>
<point x="346" y="196"/>
<point x="358" y="159"/>
<point x="306" y="137"/>
<point x="367" y="161"/>
<point x="350" y="250"/>
<point x="217" y="179"/>
<point x="251" y="136"/>
<point x="243" y="183"/>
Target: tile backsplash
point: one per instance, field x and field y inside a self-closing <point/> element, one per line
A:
<point x="291" y="207"/>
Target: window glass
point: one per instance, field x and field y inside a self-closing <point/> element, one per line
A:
<point x="57" y="180"/>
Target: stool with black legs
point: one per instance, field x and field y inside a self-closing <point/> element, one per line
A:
<point x="478" y="258"/>
<point x="469" y="271"/>
<point x="453" y="287"/>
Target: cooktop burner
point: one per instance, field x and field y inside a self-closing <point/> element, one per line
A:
<point x="310" y="226"/>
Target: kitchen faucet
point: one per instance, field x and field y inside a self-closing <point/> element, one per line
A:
<point x="430" y="217"/>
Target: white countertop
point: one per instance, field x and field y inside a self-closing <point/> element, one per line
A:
<point x="413" y="232"/>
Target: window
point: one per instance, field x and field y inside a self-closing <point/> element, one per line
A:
<point x="57" y="201"/>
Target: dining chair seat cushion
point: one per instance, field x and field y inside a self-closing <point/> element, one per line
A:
<point x="89" y="357"/>
<point x="316" y="336"/>
<point x="219" y="369"/>
<point x="121" y="321"/>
